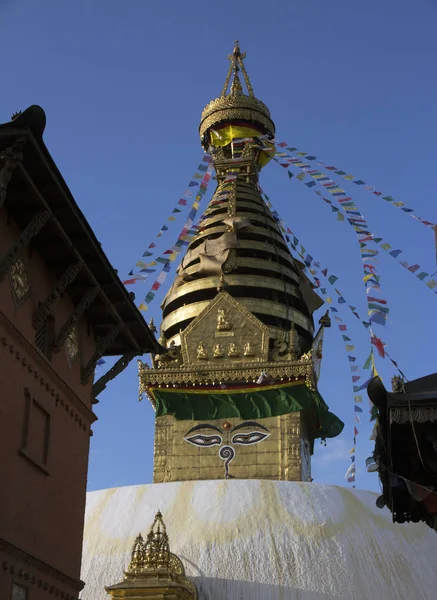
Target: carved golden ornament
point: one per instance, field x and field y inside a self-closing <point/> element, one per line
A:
<point x="137" y="555"/>
<point x="398" y="384"/>
<point x="208" y="374"/>
<point x="218" y="351"/>
<point x="279" y="351"/>
<point x="171" y="357"/>
<point x="223" y="324"/>
<point x="201" y="352"/>
<point x="151" y="560"/>
<point x="308" y="356"/>
<point x="248" y="349"/>
<point x="19" y="280"/>
<point x="157" y="547"/>
<point x="72" y="346"/>
<point x="233" y="350"/>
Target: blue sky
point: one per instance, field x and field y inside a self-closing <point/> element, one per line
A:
<point x="123" y="85"/>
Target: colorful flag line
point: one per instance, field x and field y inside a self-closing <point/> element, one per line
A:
<point x="356" y="223"/>
<point x="312" y="268"/>
<point x="200" y="174"/>
<point x="361" y="183"/>
<point x="377" y="307"/>
<point x="186" y="235"/>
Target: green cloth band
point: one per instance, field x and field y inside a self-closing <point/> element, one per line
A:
<point x="251" y="404"/>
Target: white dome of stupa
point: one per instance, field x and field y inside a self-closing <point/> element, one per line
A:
<point x="264" y="540"/>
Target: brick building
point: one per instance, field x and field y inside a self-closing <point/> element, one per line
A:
<point x="62" y="308"/>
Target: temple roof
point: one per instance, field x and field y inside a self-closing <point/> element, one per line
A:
<point x="37" y="185"/>
<point x="405" y="447"/>
<point x="422" y="390"/>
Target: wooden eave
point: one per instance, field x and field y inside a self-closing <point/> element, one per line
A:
<point x="416" y="394"/>
<point x="37" y="185"/>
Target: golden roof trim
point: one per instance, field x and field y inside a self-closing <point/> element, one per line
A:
<point x="206" y="375"/>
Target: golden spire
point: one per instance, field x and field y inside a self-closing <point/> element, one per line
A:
<point x="152" y="562"/>
<point x="157" y="548"/>
<point x="137" y="557"/>
<point x="234" y="104"/>
<point x="236" y="59"/>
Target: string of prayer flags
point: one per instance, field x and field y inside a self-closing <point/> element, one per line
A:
<point x="313" y="267"/>
<point x="357" y="221"/>
<point x="377" y="314"/>
<point x="361" y="183"/>
<point x="201" y="172"/>
<point x="186" y="235"/>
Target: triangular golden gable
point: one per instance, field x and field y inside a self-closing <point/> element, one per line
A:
<point x="225" y="333"/>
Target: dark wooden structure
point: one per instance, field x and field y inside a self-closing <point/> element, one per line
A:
<point x="62" y="308"/>
<point x="406" y="447"/>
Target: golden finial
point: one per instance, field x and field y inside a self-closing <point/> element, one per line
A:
<point x="152" y="561"/>
<point x="325" y="321"/>
<point x="222" y="284"/>
<point x="152" y="326"/>
<point x="237" y="65"/>
<point x="234" y="103"/>
<point x="156" y="548"/>
<point x="398" y="384"/>
<point x="137" y="555"/>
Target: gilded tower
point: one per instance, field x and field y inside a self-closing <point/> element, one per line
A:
<point x="235" y="393"/>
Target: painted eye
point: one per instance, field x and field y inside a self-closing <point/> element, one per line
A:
<point x="249" y="438"/>
<point x="204" y="440"/>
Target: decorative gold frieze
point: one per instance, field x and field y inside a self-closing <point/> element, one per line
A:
<point x="212" y="374"/>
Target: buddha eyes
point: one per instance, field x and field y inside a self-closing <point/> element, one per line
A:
<point x="204" y="440"/>
<point x="249" y="438"/>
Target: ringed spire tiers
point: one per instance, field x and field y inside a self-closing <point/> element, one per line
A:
<point x="243" y="356"/>
<point x="235" y="105"/>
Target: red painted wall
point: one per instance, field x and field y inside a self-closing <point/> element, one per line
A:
<point x="45" y="419"/>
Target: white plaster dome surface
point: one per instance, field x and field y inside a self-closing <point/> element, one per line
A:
<point x="262" y="540"/>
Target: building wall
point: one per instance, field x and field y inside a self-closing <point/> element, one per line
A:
<point x="45" y="419"/>
<point x="277" y="456"/>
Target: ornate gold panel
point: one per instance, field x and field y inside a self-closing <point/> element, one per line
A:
<point x="225" y="329"/>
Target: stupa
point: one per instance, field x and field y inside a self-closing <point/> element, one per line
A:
<point x="237" y="413"/>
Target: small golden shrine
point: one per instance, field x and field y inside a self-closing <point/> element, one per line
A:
<point x="235" y="393"/>
<point x="154" y="572"/>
